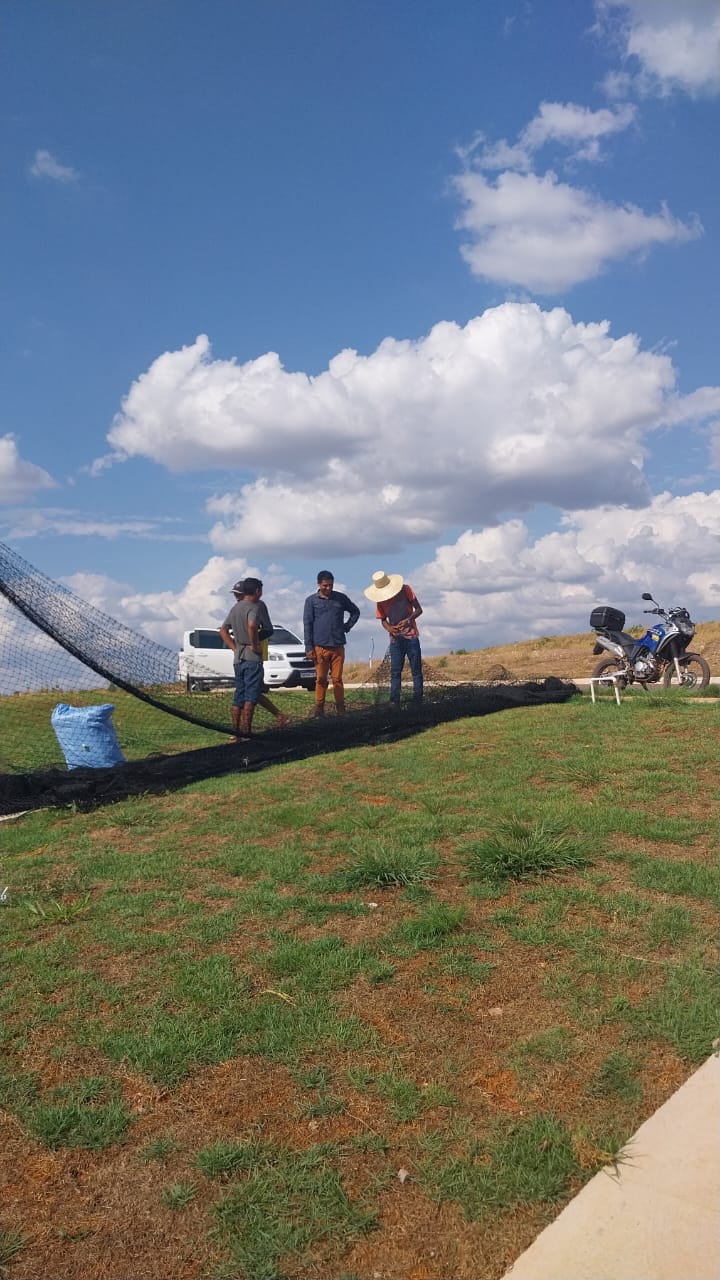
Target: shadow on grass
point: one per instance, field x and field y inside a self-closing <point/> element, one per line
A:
<point x="367" y="727"/>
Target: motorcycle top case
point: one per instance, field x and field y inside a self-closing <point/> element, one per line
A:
<point x="605" y="618"/>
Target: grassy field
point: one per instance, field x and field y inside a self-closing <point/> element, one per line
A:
<point x="28" y="742"/>
<point x="380" y="1013"/>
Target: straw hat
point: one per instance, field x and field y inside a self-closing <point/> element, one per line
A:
<point x="384" y="586"/>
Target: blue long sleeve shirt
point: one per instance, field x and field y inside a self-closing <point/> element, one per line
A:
<point x="323" y="619"/>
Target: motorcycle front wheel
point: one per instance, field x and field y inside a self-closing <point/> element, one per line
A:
<point x="694" y="673"/>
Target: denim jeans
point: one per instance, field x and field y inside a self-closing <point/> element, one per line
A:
<point x="401" y="648"/>
<point x="248" y="682"/>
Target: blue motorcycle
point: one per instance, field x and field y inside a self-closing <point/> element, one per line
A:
<point x="661" y="654"/>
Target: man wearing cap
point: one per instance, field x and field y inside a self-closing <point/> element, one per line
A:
<point x="266" y="630"/>
<point x="397" y="607"/>
<point x="325" y="632"/>
<point x="242" y="632"/>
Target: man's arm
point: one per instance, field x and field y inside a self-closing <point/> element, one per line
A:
<point x="379" y="613"/>
<point x="228" y="640"/>
<point x="353" y="614"/>
<point x="254" y="634"/>
<point x="308" y="621"/>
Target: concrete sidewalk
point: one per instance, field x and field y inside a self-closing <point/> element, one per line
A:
<point x="658" y="1217"/>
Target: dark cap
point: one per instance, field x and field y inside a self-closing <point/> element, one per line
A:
<point x="247" y="587"/>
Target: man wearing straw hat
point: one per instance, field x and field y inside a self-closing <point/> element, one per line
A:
<point x="397" y="607"/>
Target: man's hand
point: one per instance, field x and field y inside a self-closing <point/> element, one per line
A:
<point x="310" y="654"/>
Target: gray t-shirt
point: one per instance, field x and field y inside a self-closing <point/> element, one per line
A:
<point x="237" y="622"/>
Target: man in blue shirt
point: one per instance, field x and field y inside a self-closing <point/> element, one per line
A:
<point x="325" y="632"/>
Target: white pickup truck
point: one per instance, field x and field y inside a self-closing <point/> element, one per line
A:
<point x="205" y="662"/>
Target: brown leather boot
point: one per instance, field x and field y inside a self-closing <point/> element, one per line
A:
<point x="339" y="708"/>
<point x="319" y="710"/>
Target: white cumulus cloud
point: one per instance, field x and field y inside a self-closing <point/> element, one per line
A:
<point x="675" y="44"/>
<point x="490" y="586"/>
<point x="520" y="406"/>
<point x="203" y="601"/>
<point x="500" y="583"/>
<point x="578" y="128"/>
<point x="19" y="479"/>
<point x="544" y="235"/>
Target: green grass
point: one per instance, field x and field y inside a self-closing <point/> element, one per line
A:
<point x="331" y="989"/>
<point x="259" y="1218"/>
<point x="685" y="879"/>
<point x="407" y="1100"/>
<point x="323" y="965"/>
<point x="225" y="1158"/>
<point x="670" y="924"/>
<point x="179" y="1195"/>
<point x="555" y="1044"/>
<point x="616" y="1077"/>
<point x="89" y="1114"/>
<point x="432" y="926"/>
<point x="532" y="1160"/>
<point x="140" y="728"/>
<point x="519" y="849"/>
<point x="685" y="1011"/>
<point x="159" y="1148"/>
<point x="11" y="1244"/>
<point x="386" y="867"/>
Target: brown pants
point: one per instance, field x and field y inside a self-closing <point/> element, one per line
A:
<point x="329" y="660"/>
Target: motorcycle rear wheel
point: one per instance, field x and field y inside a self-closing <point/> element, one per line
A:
<point x="695" y="673"/>
<point x="609" y="667"/>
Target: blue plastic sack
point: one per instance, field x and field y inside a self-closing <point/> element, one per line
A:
<point x="86" y="735"/>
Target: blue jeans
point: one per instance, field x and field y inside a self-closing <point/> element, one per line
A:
<point x="248" y="682"/>
<point x="401" y="648"/>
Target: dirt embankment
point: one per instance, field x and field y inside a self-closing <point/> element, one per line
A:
<point x="568" y="657"/>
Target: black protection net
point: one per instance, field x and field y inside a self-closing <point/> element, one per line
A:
<point x="58" y="650"/>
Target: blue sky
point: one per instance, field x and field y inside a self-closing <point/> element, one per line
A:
<point x="409" y="285"/>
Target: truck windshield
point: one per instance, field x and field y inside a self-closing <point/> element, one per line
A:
<point x="281" y="635"/>
<point x="206" y="640"/>
<point x="213" y="639"/>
